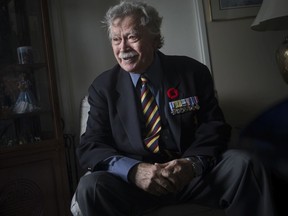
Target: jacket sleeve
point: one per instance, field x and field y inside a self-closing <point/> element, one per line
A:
<point x="96" y="144"/>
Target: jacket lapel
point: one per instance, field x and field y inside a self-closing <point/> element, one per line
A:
<point x="127" y="110"/>
<point x="171" y="80"/>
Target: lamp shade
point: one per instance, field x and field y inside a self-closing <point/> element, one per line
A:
<point x="273" y="15"/>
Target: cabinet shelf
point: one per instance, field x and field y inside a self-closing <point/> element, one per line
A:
<point x="27" y="148"/>
<point x="10" y="115"/>
<point x="22" y="67"/>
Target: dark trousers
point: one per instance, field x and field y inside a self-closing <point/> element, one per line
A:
<point x="238" y="183"/>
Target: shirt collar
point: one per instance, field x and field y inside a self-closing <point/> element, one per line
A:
<point x="153" y="73"/>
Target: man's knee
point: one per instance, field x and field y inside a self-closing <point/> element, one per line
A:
<point x="238" y="156"/>
<point x="89" y="183"/>
<point x="244" y="161"/>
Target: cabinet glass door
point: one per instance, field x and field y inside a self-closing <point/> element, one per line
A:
<point x="26" y="112"/>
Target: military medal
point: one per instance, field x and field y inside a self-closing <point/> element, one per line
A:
<point x="184" y="105"/>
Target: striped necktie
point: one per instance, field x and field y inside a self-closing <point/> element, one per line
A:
<point x="152" y="117"/>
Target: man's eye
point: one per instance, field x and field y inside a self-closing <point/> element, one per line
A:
<point x="133" y="38"/>
<point x="116" y="40"/>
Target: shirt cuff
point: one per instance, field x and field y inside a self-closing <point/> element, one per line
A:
<point x="119" y="166"/>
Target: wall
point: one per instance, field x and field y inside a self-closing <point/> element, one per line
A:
<point x="242" y="61"/>
<point x="82" y="51"/>
<point x="245" y="72"/>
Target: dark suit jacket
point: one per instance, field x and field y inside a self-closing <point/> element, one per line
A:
<point x="113" y="126"/>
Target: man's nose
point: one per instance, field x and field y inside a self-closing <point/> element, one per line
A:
<point x="124" y="45"/>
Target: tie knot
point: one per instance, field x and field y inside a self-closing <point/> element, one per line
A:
<point x="144" y="79"/>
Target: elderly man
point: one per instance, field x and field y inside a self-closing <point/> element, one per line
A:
<point x="155" y="133"/>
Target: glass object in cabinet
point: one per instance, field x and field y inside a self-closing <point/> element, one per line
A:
<point x="26" y="114"/>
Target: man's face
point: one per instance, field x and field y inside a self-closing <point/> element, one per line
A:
<point x="132" y="44"/>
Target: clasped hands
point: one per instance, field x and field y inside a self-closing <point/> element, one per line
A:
<point x="161" y="179"/>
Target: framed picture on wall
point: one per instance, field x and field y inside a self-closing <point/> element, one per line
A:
<point x="233" y="9"/>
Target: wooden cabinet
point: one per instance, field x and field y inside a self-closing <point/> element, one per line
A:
<point x="33" y="176"/>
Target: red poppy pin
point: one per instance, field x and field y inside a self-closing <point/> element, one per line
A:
<point x="172" y="93"/>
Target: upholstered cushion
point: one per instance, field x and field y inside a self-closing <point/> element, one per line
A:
<point x="84" y="109"/>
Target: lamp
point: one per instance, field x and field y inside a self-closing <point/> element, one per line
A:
<point x="272" y="16"/>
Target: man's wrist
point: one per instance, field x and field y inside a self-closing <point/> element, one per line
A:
<point x="197" y="165"/>
<point x="132" y="173"/>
